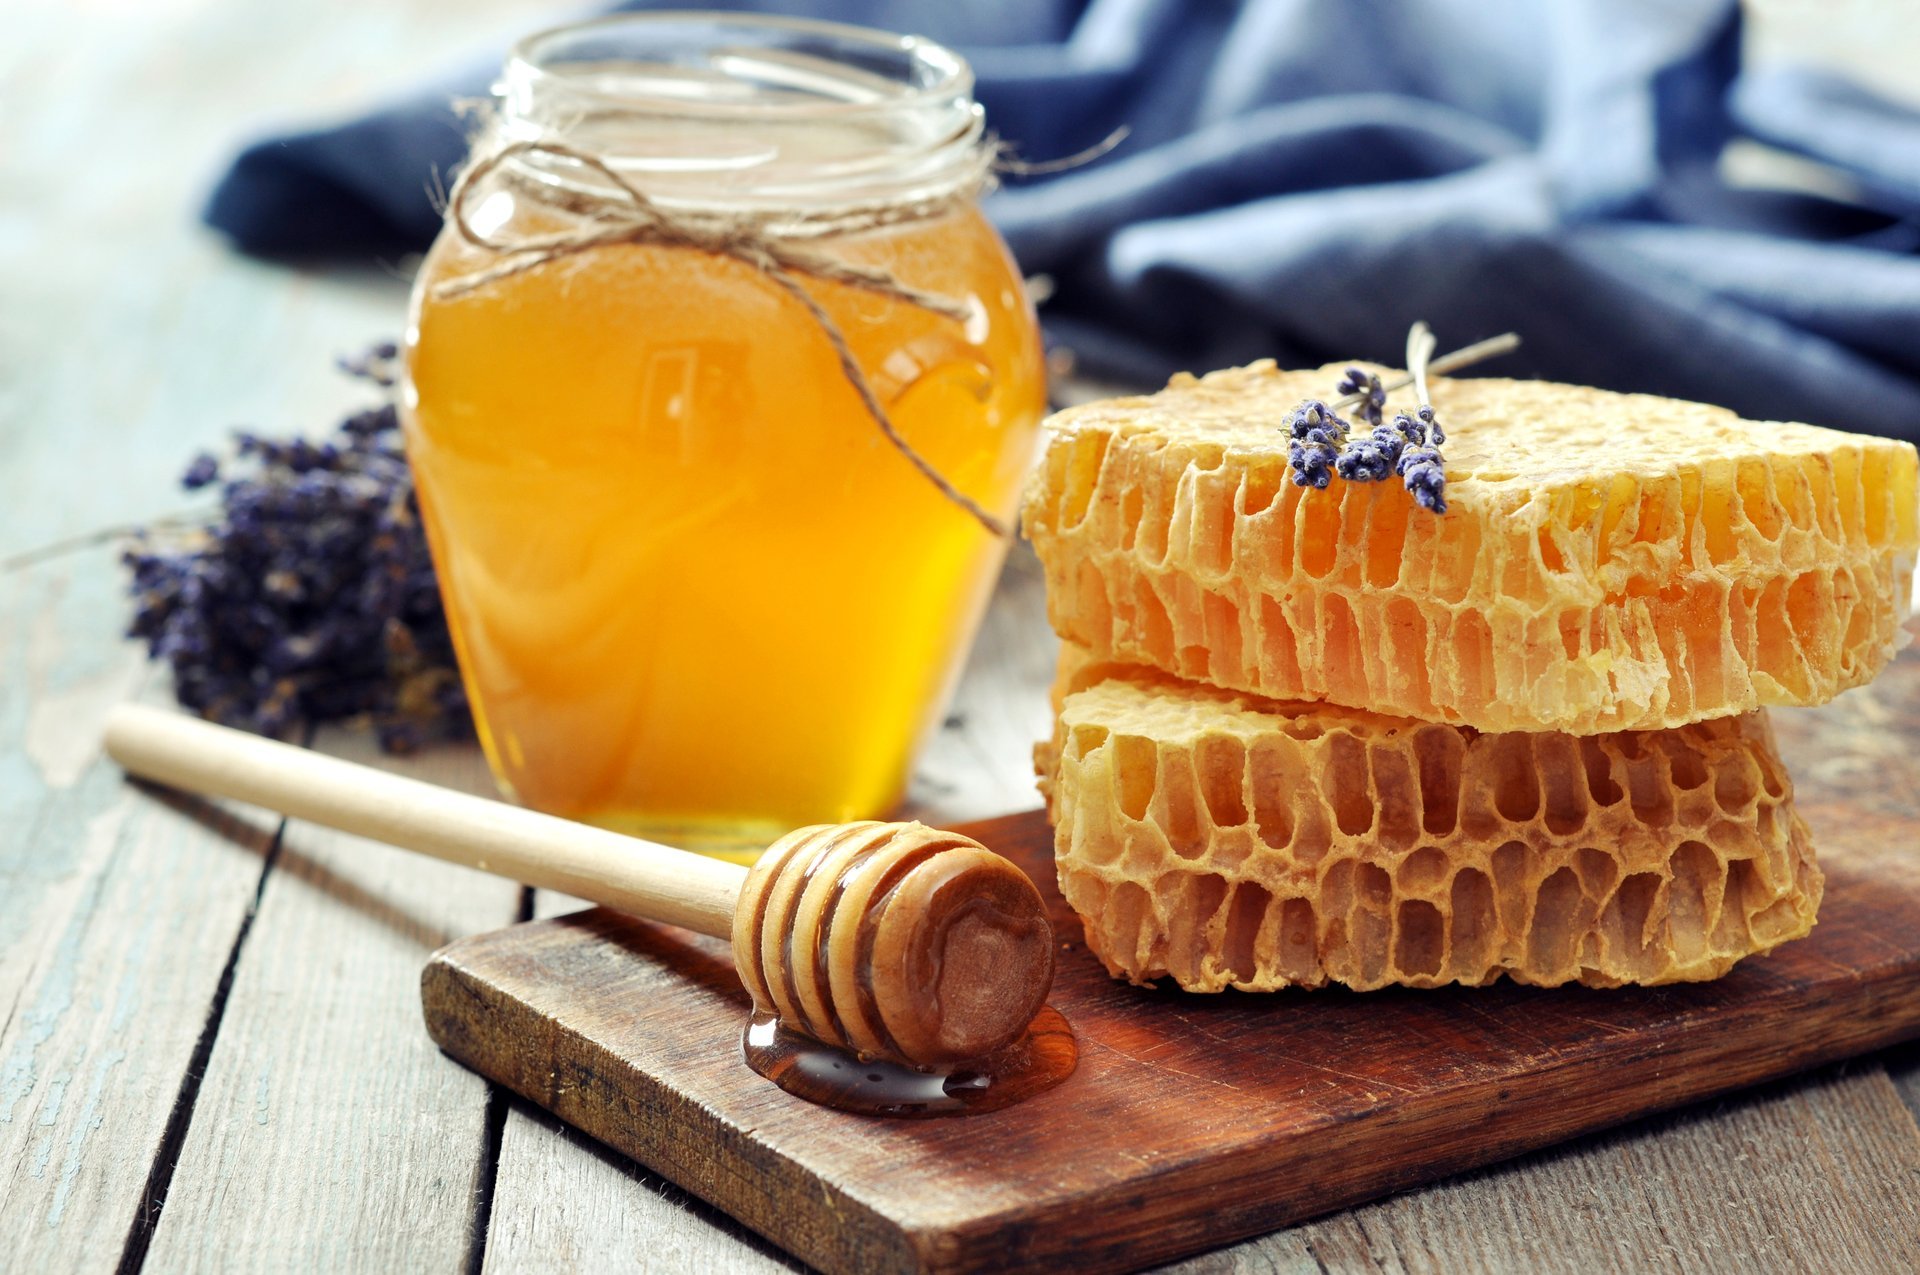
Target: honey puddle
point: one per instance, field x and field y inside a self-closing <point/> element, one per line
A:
<point x="801" y="1065"/>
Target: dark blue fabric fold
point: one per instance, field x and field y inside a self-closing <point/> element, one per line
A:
<point x="1304" y="178"/>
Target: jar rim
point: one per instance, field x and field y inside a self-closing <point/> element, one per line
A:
<point x="525" y="61"/>
<point x="897" y="110"/>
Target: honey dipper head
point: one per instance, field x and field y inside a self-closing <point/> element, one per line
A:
<point x="894" y="940"/>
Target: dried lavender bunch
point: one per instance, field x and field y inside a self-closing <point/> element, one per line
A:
<point x="1407" y="446"/>
<point x="1317" y="437"/>
<point x="311" y="596"/>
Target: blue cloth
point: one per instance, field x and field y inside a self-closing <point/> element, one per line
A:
<point x="1304" y="178"/>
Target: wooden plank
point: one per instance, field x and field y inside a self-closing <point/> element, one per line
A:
<point x="330" y="1134"/>
<point x="118" y="914"/>
<point x="563" y="1202"/>
<point x="1810" y="1174"/>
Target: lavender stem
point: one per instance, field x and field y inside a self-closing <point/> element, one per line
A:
<point x="1463" y="357"/>
<point x="1420" y="345"/>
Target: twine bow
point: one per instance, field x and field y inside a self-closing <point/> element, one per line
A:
<point x="633" y="218"/>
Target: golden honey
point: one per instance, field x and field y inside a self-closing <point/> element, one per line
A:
<point x="695" y="593"/>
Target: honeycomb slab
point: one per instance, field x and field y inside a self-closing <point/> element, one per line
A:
<point x="1608" y="561"/>
<point x="1219" y="841"/>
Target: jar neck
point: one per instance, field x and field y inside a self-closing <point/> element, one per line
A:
<point x="746" y="112"/>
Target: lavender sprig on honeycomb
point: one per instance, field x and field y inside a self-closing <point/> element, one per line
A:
<point x="1425" y="473"/>
<point x="1435" y="434"/>
<point x="1420" y="465"/>
<point x="1375" y="457"/>
<point x="1406" y="446"/>
<point x="311" y="596"/>
<point x="1318" y="434"/>
<point x="1372" y="395"/>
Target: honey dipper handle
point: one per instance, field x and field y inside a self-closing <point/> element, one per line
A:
<point x="637" y="877"/>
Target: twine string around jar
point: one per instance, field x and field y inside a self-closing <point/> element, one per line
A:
<point x="625" y="215"/>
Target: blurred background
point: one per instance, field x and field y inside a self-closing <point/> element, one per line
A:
<point x="1700" y="198"/>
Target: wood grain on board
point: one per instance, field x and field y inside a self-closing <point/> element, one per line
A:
<point x="335" y="1138"/>
<point x="1197" y="1120"/>
<point x="118" y="914"/>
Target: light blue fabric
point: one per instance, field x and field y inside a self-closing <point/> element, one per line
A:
<point x="1304" y="178"/>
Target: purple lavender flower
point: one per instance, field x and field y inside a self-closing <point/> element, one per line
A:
<point x="1425" y="474"/>
<point x="1312" y="464"/>
<point x="1373" y="395"/>
<point x="1421" y="466"/>
<point x="1410" y="430"/>
<point x="1377" y="457"/>
<point x="1371" y="459"/>
<point x="1408" y="445"/>
<point x="371" y="423"/>
<point x="205" y="469"/>
<point x="1315" y="421"/>
<point x="312" y="596"/>
<point x="1318" y="433"/>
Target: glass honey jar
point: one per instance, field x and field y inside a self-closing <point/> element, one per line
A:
<point x="697" y="590"/>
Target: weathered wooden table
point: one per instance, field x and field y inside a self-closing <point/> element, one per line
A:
<point x="211" y="1053"/>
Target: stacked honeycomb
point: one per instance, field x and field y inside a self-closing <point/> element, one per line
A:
<point x="1309" y="736"/>
<point x="1607" y="561"/>
<point x="1224" y="840"/>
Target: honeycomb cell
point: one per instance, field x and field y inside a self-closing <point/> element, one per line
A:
<point x="1607" y="562"/>
<point x="1629" y="857"/>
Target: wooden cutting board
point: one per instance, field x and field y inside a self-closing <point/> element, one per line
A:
<point x="1193" y="1121"/>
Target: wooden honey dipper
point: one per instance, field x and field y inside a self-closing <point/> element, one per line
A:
<point x="892" y="940"/>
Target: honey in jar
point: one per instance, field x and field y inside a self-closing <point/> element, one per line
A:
<point x="696" y="593"/>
